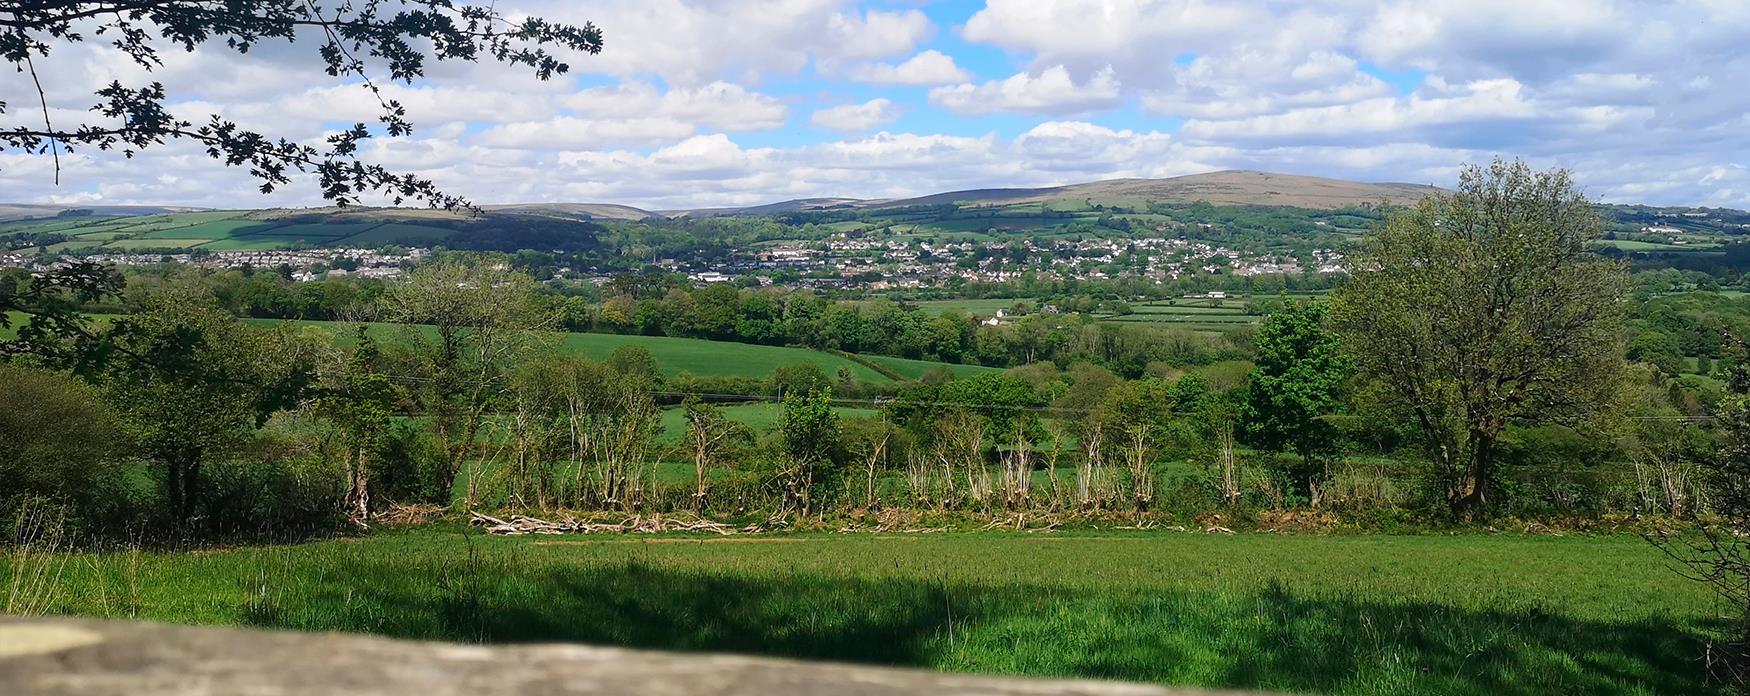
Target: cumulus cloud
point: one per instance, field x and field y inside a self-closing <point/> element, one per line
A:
<point x="931" y="67"/>
<point x="1638" y="97"/>
<point x="856" y="117"/>
<point x="695" y="42"/>
<point x="1052" y="91"/>
<point x="719" y="105"/>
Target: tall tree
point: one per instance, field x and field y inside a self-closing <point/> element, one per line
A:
<point x="359" y="401"/>
<point x="708" y="432"/>
<point x="1296" y="381"/>
<point x="464" y="325"/>
<point x="1716" y="549"/>
<point x="808" y="430"/>
<point x="1485" y="307"/>
<point x="198" y="382"/>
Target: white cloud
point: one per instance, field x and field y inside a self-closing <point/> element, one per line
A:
<point x="1089" y="34"/>
<point x="572" y="133"/>
<point x="1487" y="100"/>
<point x="931" y="67"/>
<point x="1639" y="97"/>
<point x="693" y="43"/>
<point x="856" y="117"/>
<point x="1052" y="91"/>
<point x="718" y="105"/>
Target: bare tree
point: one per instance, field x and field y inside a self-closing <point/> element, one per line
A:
<point x="957" y="443"/>
<point x="1717" y="553"/>
<point x="869" y="442"/>
<point x="708" y="430"/>
<point x="1090" y="474"/>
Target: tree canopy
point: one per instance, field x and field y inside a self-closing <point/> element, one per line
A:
<point x="1483" y="308"/>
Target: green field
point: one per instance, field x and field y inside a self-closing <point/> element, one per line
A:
<point x="154" y="243"/>
<point x="760" y="417"/>
<point x="1468" y="614"/>
<point x="716" y="358"/>
<point x="677" y="355"/>
<point x="225" y="230"/>
<point x="983" y="307"/>
<point x="701" y="357"/>
<point x="216" y="229"/>
<point x="914" y="369"/>
<point x="1632" y="245"/>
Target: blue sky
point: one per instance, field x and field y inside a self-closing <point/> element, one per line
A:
<point x="716" y="102"/>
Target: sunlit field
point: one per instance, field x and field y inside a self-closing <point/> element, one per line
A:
<point x="1324" y="614"/>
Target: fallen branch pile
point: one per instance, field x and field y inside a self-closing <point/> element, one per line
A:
<point x="637" y="524"/>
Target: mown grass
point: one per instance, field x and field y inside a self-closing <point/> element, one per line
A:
<point x="1321" y="614"/>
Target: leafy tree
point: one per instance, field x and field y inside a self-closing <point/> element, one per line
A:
<point x="58" y="439"/>
<point x="1137" y="417"/>
<point x="198" y="383"/>
<point x="635" y="362"/>
<point x="800" y="378"/>
<point x="53" y="328"/>
<point x="1482" y="308"/>
<point x="1188" y="393"/>
<point x="464" y="326"/>
<point x="808" y="433"/>
<point x="360" y="402"/>
<point x="1297" y="380"/>
<point x="1657" y="349"/>
<point x="403" y="34"/>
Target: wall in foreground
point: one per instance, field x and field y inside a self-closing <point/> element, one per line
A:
<point x="54" y="657"/>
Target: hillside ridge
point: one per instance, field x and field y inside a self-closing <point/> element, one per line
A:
<point x="1225" y="187"/>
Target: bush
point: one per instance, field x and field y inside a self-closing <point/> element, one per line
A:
<point x="283" y="486"/>
<point x="60" y="442"/>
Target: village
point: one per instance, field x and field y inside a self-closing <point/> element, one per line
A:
<point x="838" y="262"/>
<point x="897" y="263"/>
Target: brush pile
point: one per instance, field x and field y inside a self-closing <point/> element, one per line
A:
<point x="519" y="525"/>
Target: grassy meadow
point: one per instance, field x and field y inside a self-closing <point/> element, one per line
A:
<point x="1469" y="614"/>
<point x="675" y="355"/>
<point x="697" y="356"/>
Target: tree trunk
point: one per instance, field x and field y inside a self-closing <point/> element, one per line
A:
<point x="358" y="497"/>
<point x="1471" y="500"/>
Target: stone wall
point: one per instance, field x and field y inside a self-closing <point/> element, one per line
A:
<point x="55" y="657"/>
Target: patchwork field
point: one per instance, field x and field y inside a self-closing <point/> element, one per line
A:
<point x="1468" y="614"/>
<point x="224" y="230"/>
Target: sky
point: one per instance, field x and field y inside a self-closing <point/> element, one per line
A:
<point x="697" y="103"/>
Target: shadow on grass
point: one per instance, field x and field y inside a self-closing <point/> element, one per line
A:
<point x="1275" y="639"/>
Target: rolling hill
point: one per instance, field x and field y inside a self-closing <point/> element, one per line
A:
<point x="32" y="211"/>
<point x="1231" y="187"/>
<point x="1219" y="188"/>
<point x="579" y="211"/>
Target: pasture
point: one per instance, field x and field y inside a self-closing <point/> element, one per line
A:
<point x="223" y="230"/>
<point x="1466" y="614"/>
<point x="699" y="357"/>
